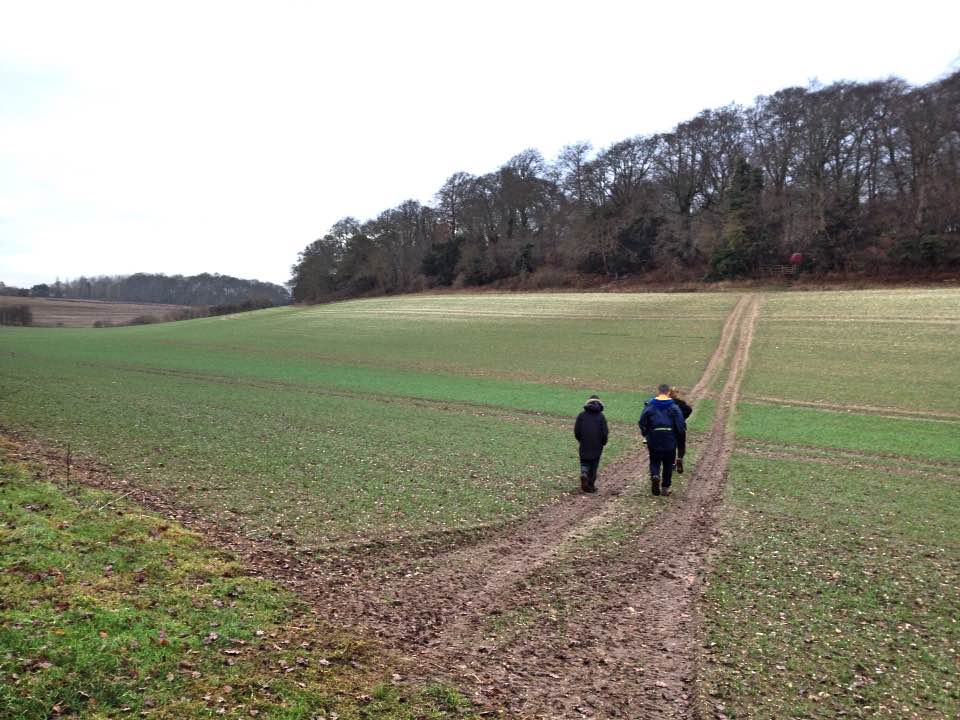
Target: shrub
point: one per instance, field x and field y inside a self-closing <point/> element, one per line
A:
<point x="16" y="315"/>
<point x="927" y="252"/>
<point x="547" y="277"/>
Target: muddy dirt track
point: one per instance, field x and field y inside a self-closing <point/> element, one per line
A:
<point x="629" y="644"/>
<point x="610" y="633"/>
<point x="630" y="648"/>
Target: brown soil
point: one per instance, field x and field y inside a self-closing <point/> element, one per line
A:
<point x="52" y="312"/>
<point x="723" y="347"/>
<point x="630" y="649"/>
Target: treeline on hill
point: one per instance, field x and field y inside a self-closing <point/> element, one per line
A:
<point x="857" y="177"/>
<point x="204" y="289"/>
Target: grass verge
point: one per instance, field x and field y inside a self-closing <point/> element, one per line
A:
<point x="108" y="611"/>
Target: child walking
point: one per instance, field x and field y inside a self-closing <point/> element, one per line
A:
<point x="591" y="432"/>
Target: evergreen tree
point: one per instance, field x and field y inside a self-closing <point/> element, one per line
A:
<point x="745" y="241"/>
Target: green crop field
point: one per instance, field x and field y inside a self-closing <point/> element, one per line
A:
<point x="838" y="595"/>
<point x="890" y="348"/>
<point x="372" y="417"/>
<point x="834" y="591"/>
<point x="838" y="591"/>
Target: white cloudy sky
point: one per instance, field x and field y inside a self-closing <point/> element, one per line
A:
<point x="184" y="137"/>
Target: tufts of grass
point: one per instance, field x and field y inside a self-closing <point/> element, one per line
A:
<point x="108" y="611"/>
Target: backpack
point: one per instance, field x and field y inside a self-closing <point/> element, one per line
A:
<point x="661" y="417"/>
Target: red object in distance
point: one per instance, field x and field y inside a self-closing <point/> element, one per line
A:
<point x="796" y="258"/>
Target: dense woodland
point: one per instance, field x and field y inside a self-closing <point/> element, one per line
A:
<point x="198" y="290"/>
<point x="860" y="178"/>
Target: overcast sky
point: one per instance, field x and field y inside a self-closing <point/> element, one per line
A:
<point x="225" y="136"/>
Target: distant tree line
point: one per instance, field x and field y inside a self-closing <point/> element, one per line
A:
<point x="203" y="289"/>
<point x="11" y="291"/>
<point x="856" y="177"/>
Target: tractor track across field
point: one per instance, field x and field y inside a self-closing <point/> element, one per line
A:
<point x="631" y="652"/>
<point x="630" y="645"/>
<point x="858" y="409"/>
<point x="878" y="463"/>
<point x="630" y="649"/>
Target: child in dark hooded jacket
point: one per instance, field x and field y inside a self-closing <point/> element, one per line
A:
<point x="592" y="433"/>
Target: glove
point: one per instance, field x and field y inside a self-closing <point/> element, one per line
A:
<point x="679" y="466"/>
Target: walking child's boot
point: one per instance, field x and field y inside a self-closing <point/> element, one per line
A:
<point x="655" y="484"/>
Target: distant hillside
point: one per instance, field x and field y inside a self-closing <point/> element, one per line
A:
<point x="203" y="289"/>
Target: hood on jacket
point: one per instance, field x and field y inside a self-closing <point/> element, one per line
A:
<point x="662" y="403"/>
<point x="593" y="406"/>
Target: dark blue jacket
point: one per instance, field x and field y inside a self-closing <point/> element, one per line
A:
<point x="591" y="431"/>
<point x="662" y="424"/>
